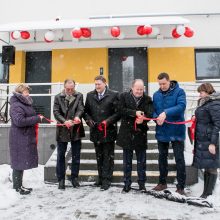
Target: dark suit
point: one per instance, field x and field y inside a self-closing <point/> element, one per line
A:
<point x="97" y="111"/>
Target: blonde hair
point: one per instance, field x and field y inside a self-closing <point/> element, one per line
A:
<point x="22" y="87"/>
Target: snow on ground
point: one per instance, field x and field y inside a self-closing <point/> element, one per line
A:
<point x="87" y="202"/>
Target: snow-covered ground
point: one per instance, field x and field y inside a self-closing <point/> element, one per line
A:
<point x="87" y="202"/>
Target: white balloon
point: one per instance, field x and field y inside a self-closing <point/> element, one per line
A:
<point x="49" y="36"/>
<point x="16" y="35"/>
<point x="180" y="29"/>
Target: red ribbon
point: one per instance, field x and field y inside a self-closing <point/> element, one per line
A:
<point x="59" y="124"/>
<point x="36" y="132"/>
<point x="100" y="128"/>
<point x="168" y="122"/>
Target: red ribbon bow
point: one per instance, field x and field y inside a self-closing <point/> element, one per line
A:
<point x="103" y="126"/>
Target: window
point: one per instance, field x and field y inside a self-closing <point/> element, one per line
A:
<point x="207" y="63"/>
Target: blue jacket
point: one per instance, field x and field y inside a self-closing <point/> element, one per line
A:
<point x="173" y="103"/>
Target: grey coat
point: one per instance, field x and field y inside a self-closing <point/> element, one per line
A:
<point x="22" y="136"/>
<point x="64" y="110"/>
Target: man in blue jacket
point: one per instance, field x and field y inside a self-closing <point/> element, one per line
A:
<point x="169" y="105"/>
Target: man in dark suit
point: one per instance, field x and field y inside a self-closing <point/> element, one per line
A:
<point x="101" y="116"/>
<point x="133" y="106"/>
<point x="68" y="110"/>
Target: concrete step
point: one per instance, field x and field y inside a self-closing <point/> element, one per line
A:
<point x="87" y="144"/>
<point x="151" y="154"/>
<point x="150" y="135"/>
<point x="152" y="165"/>
<point x="91" y="175"/>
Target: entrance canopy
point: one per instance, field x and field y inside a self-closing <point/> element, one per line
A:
<point x="92" y="23"/>
<point x="94" y="29"/>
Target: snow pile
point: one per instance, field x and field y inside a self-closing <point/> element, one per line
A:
<point x="87" y="202"/>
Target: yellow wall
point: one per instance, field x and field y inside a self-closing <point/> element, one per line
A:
<point x="82" y="65"/>
<point x="17" y="71"/>
<point x="177" y="62"/>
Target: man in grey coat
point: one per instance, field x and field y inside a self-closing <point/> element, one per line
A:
<point x="68" y="110"/>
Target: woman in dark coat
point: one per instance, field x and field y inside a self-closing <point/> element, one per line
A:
<point x="206" y="153"/>
<point x="22" y="136"/>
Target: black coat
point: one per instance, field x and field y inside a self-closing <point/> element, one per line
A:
<point x="207" y="132"/>
<point x="63" y="111"/>
<point x="100" y="110"/>
<point x="22" y="136"/>
<point x="128" y="137"/>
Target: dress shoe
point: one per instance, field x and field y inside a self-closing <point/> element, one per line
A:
<point x="22" y="191"/>
<point x="160" y="187"/>
<point x="25" y="188"/>
<point x="75" y="183"/>
<point x="181" y="191"/>
<point x="142" y="187"/>
<point x="126" y="188"/>
<point x="61" y="184"/>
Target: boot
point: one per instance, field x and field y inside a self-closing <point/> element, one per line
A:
<point x="206" y="176"/>
<point x="61" y="184"/>
<point x="211" y="181"/>
<point x="75" y="183"/>
<point x="17" y="179"/>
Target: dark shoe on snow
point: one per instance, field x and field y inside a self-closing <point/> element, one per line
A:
<point x="160" y="187"/>
<point x="22" y="191"/>
<point x="142" y="187"/>
<point x="61" y="184"/>
<point x="25" y="188"/>
<point x="126" y="188"/>
<point x="75" y="183"/>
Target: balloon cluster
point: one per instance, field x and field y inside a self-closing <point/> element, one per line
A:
<point x="15" y="35"/>
<point x="115" y="32"/>
<point x="182" y="30"/>
<point x="81" y="32"/>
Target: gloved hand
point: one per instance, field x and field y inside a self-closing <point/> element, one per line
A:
<point x="90" y="123"/>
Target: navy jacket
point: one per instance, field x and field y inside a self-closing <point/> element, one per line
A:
<point x="173" y="103"/>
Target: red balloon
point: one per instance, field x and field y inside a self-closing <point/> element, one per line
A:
<point x="147" y="29"/>
<point x="188" y="32"/>
<point x="140" y="30"/>
<point x="175" y="34"/>
<point x="25" y="35"/>
<point x="115" y="31"/>
<point x="86" y="32"/>
<point x="77" y="32"/>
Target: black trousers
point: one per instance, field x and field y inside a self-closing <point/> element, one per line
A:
<point x="141" y="165"/>
<point x="105" y="160"/>
<point x="17" y="177"/>
<point x="61" y="164"/>
<point x="178" y="150"/>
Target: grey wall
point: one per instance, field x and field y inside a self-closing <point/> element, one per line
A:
<point x="46" y="138"/>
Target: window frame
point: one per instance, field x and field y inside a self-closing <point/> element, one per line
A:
<point x="204" y="50"/>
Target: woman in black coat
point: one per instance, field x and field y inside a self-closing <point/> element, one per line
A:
<point x="206" y="153"/>
<point x="22" y="136"/>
